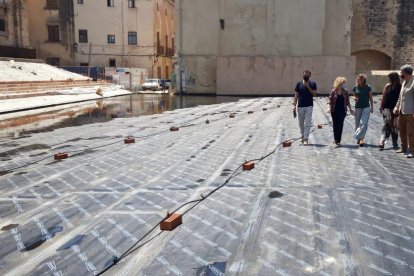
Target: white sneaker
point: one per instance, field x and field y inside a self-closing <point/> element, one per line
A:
<point x="409" y="155"/>
<point x="305" y="142"/>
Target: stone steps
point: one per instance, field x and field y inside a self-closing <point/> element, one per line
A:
<point x="28" y="86"/>
<point x="14" y="90"/>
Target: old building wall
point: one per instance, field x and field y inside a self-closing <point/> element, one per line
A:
<point x="404" y="38"/>
<point x="14" y="18"/>
<point x="243" y="29"/>
<point x="382" y="28"/>
<point x="164" y="37"/>
<point x="146" y="18"/>
<point x="337" y="28"/>
<point x="56" y="52"/>
<point x="118" y="20"/>
<point x="279" y="75"/>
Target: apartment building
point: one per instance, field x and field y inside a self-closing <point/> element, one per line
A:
<point x="51" y="28"/>
<point x="125" y="33"/>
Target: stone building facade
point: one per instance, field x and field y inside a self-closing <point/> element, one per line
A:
<point x="250" y="46"/>
<point x="126" y="33"/>
<point x="111" y="33"/>
<point x="382" y="34"/>
<point x="14" y="29"/>
<point x="51" y="27"/>
<point x="261" y="47"/>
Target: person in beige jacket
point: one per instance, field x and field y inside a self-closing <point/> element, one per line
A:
<point x="405" y="110"/>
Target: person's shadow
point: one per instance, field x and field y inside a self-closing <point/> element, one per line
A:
<point x="369" y="146"/>
<point x="357" y="146"/>
<point x="349" y="146"/>
<point x="317" y="145"/>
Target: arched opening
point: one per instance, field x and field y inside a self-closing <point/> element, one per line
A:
<point x="372" y="60"/>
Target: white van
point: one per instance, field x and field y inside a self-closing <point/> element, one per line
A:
<point x="152" y="84"/>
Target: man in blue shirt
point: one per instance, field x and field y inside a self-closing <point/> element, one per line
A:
<point x="305" y="90"/>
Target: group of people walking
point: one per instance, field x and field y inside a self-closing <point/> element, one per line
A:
<point x="396" y="107"/>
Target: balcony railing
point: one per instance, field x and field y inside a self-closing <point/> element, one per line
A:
<point x="160" y="50"/>
<point x="169" y="52"/>
<point x="166" y="52"/>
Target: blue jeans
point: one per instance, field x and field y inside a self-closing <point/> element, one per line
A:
<point x="361" y="122"/>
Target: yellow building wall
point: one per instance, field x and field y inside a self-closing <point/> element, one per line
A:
<point x="164" y="28"/>
<point x="39" y="18"/>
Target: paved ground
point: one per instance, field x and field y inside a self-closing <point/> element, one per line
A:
<point x="343" y="211"/>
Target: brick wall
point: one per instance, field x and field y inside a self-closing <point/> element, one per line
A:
<point x="386" y="26"/>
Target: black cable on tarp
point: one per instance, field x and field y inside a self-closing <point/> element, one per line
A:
<point x="187" y="124"/>
<point x="196" y="202"/>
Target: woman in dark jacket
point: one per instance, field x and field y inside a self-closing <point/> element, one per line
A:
<point x="337" y="106"/>
<point x="389" y="99"/>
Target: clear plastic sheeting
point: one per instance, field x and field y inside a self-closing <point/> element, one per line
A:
<point x="304" y="210"/>
<point x="91" y="90"/>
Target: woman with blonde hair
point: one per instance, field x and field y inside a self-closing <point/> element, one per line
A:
<point x="337" y="106"/>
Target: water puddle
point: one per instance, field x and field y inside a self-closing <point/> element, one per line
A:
<point x="91" y="112"/>
<point x="275" y="194"/>
<point x="24" y="149"/>
<point x="85" y="152"/>
<point x="9" y="145"/>
<point x="38" y="241"/>
<point x="98" y="138"/>
<point x="226" y="172"/>
<point x="212" y="269"/>
<point x="75" y="241"/>
<point x="9" y="227"/>
<point x="37" y="154"/>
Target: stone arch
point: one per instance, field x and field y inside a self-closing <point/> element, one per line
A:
<point x="372" y="60"/>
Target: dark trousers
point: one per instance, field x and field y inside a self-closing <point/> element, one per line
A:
<point x="338" y="119"/>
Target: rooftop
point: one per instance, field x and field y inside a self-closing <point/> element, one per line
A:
<point x="313" y="210"/>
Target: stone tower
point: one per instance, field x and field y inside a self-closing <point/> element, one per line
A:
<point x="382" y="34"/>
